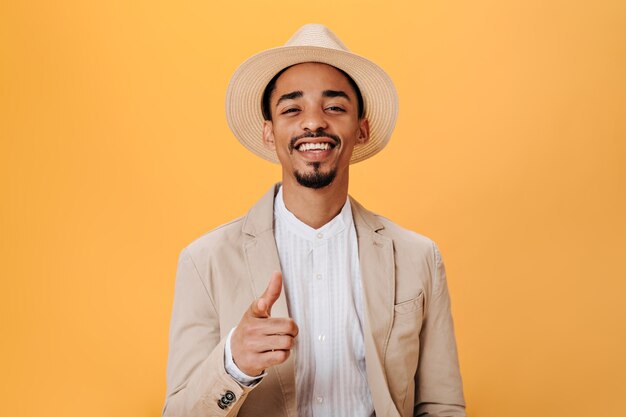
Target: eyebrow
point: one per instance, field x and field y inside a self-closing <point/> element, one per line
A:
<point x="326" y="93"/>
<point x="289" y="96"/>
<point x="335" y="93"/>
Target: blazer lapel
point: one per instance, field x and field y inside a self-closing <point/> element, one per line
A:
<point x="262" y="260"/>
<point x="376" y="262"/>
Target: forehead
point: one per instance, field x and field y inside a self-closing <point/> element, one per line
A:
<point x="312" y="76"/>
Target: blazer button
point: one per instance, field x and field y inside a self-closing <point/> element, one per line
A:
<point x="230" y="396"/>
<point x="224" y="401"/>
<point x="220" y="405"/>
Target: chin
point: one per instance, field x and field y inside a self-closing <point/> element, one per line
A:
<point x="315" y="179"/>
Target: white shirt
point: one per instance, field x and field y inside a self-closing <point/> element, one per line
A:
<point x="322" y="284"/>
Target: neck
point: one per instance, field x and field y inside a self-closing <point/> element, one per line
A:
<point x="315" y="207"/>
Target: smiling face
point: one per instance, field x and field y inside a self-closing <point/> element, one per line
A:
<point x="315" y="125"/>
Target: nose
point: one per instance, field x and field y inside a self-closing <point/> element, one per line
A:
<point x="313" y="120"/>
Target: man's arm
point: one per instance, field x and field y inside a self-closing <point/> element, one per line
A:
<point x="438" y="386"/>
<point x="196" y="378"/>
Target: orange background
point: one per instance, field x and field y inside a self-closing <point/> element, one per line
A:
<point x="510" y="152"/>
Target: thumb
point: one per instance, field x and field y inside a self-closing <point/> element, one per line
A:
<point x="263" y="306"/>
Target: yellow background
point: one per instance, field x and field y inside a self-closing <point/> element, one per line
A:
<point x="509" y="152"/>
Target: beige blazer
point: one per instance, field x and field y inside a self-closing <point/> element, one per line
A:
<point x="410" y="349"/>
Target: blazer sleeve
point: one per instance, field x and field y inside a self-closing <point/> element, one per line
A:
<point x="438" y="385"/>
<point x="196" y="378"/>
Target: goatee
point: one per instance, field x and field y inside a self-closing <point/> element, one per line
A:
<point x="315" y="179"/>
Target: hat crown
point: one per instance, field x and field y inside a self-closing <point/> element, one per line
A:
<point x="314" y="34"/>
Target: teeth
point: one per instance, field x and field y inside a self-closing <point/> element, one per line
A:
<point x="313" y="146"/>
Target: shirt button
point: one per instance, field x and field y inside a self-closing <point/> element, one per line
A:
<point x="321" y="337"/>
<point x="319" y="400"/>
<point x="318" y="276"/>
<point x="320" y="235"/>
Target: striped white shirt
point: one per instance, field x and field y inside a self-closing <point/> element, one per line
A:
<point x="322" y="284"/>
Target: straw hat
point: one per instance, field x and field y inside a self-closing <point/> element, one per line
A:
<point x="311" y="43"/>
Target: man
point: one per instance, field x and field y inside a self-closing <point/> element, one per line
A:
<point x="310" y="305"/>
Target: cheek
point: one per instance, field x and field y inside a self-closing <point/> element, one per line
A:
<point x="282" y="135"/>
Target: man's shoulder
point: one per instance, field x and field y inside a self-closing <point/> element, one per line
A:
<point x="401" y="234"/>
<point x="409" y="246"/>
<point x="231" y="236"/>
<point x="222" y="236"/>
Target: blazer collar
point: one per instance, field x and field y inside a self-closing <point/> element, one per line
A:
<point x="260" y="218"/>
<point x="365" y="220"/>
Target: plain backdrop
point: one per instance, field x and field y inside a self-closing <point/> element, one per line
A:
<point x="509" y="152"/>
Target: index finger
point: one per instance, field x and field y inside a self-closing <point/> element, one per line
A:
<point x="262" y="307"/>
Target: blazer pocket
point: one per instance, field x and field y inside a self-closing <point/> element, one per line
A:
<point x="409" y="306"/>
<point x="402" y="355"/>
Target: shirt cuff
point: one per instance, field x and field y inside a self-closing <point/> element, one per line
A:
<point x="233" y="370"/>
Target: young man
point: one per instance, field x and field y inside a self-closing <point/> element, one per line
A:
<point x="310" y="305"/>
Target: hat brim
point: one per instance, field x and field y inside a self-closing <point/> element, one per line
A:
<point x="245" y="91"/>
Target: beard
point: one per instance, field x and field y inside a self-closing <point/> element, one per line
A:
<point x="315" y="179"/>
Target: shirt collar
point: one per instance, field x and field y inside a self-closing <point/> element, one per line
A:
<point x="331" y="229"/>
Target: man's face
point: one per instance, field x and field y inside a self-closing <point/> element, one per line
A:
<point x="315" y="124"/>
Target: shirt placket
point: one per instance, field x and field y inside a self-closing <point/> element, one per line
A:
<point x="321" y="331"/>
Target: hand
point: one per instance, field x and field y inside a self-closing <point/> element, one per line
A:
<point x="261" y="341"/>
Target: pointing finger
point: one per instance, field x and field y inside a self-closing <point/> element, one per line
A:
<point x="262" y="307"/>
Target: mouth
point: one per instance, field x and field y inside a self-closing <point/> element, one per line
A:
<point x="314" y="147"/>
<point x="317" y="146"/>
<point x="315" y="150"/>
<point x="318" y="142"/>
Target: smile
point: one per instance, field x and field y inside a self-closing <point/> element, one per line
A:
<point x="307" y="146"/>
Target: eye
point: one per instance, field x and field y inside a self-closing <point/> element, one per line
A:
<point x="335" y="108"/>
<point x="290" y="110"/>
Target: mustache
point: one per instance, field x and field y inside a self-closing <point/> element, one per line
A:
<point x="317" y="134"/>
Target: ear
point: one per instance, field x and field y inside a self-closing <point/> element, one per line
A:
<point x="268" y="135"/>
<point x="364" y="132"/>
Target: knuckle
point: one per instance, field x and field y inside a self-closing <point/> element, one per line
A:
<point x="293" y="327"/>
<point x="279" y="356"/>
<point x="283" y="355"/>
<point x="287" y="342"/>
